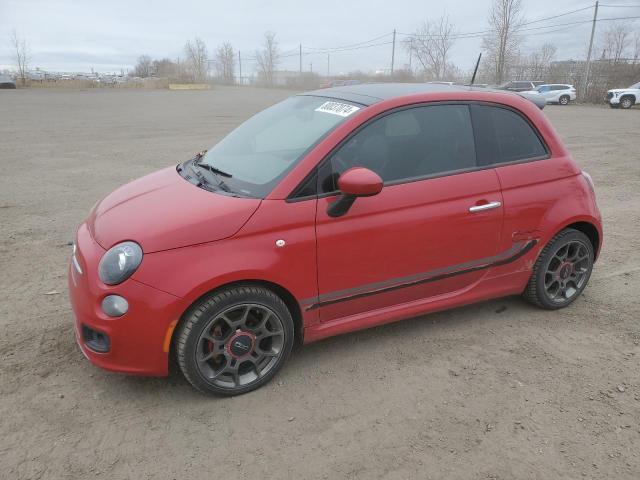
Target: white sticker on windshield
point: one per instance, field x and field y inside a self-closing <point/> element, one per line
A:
<point x="337" y="108"/>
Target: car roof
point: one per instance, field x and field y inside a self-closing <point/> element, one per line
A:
<point x="370" y="93"/>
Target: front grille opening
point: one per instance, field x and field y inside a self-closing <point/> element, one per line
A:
<point x="94" y="340"/>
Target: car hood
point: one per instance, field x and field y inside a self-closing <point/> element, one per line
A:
<point x="162" y="211"/>
<point x="620" y="90"/>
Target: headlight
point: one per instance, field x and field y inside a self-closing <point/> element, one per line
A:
<point x="120" y="262"/>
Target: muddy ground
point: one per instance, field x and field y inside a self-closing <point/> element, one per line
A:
<point x="496" y="390"/>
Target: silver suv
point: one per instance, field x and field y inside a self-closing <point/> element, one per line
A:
<point x="520" y="85"/>
<point x="560" y="93"/>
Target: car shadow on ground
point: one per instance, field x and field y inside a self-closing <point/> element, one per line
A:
<point x="422" y="329"/>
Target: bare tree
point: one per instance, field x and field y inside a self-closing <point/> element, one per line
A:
<point x="268" y="57"/>
<point x="166" y="68"/>
<point x="502" y="42"/>
<point x="225" y="63"/>
<point x="536" y="65"/>
<point x="636" y="47"/>
<point x="615" y="42"/>
<point x="431" y="45"/>
<point x="21" y="55"/>
<point x="197" y="59"/>
<point x="144" y="67"/>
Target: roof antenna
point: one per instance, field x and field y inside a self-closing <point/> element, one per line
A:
<point x="475" y="70"/>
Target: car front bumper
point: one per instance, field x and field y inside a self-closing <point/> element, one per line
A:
<point x="613" y="100"/>
<point x="137" y="342"/>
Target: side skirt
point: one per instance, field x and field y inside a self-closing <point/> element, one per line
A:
<point x="502" y="286"/>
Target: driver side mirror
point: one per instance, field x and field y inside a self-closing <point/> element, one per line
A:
<point x="355" y="182"/>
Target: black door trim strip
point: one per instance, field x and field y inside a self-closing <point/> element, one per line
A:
<point x="515" y="252"/>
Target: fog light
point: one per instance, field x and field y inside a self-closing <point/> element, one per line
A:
<point x="115" y="305"/>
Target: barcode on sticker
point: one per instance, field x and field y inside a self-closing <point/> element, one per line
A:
<point x="337" y="108"/>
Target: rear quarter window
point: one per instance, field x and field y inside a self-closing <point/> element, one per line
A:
<point x="504" y="136"/>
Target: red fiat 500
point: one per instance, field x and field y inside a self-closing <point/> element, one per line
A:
<point x="329" y="212"/>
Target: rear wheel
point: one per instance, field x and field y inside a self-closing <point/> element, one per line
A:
<point x="235" y="340"/>
<point x="562" y="270"/>
<point x="564" y="100"/>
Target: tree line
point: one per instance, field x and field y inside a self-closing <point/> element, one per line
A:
<point x="197" y="63"/>
<point x="616" y="59"/>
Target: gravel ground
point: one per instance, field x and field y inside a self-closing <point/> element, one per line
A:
<point x="495" y="390"/>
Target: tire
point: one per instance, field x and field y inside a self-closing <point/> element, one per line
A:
<point x="626" y="102"/>
<point x="235" y="340"/>
<point x="564" y="100"/>
<point x="545" y="287"/>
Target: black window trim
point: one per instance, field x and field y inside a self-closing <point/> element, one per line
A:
<point x="546" y="156"/>
<point x="479" y="167"/>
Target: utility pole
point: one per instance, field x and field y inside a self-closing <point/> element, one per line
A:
<point x="588" y="65"/>
<point x="328" y="55"/>
<point x="393" y="51"/>
<point x="301" y="60"/>
<point x="410" y="54"/>
<point x="240" y="67"/>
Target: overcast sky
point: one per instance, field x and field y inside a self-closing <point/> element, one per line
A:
<point x="77" y="35"/>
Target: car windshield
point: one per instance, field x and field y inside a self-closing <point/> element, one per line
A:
<point x="543" y="88"/>
<point x="256" y="155"/>
<point x="635" y="85"/>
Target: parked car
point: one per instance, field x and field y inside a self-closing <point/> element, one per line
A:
<point x="440" y="82"/>
<point x="559" y="93"/>
<point x="7" y="82"/>
<point x="332" y="211"/>
<point x="339" y="83"/>
<point x="520" y="85"/>
<point x="534" y="97"/>
<point x="624" y="97"/>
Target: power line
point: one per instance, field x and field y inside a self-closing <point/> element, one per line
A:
<point x="347" y="49"/>
<point x="556" y="16"/>
<point x="556" y="27"/>
<point x="330" y="49"/>
<point x="482" y="33"/>
<point x="583" y="21"/>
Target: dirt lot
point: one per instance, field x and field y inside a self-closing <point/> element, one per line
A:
<point x="497" y="390"/>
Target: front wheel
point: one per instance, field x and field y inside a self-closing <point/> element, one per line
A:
<point x="562" y="270"/>
<point x="564" y="100"/>
<point x="626" y="102"/>
<point x="235" y="340"/>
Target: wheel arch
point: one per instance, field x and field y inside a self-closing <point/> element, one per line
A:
<point x="287" y="297"/>
<point x="590" y="230"/>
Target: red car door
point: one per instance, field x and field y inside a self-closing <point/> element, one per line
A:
<point x="432" y="229"/>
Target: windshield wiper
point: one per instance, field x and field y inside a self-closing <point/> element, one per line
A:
<point x="202" y="181"/>
<point x="213" y="169"/>
<point x="219" y="173"/>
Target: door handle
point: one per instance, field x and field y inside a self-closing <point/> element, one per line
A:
<point x="485" y="206"/>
